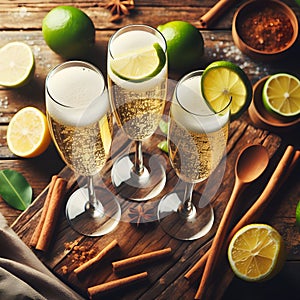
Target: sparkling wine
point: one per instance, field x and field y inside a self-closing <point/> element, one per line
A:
<point x="197" y="141"/>
<point x="84" y="149"/>
<point x="137" y="106"/>
<point x="80" y="124"/>
<point x="194" y="155"/>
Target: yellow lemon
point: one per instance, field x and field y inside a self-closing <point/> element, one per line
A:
<point x="27" y="133"/>
<point x="256" y="252"/>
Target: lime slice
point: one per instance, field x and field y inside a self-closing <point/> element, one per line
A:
<point x="163" y="145"/>
<point x="16" y="64"/>
<point x="139" y="65"/>
<point x="223" y="80"/>
<point x="298" y="214"/>
<point x="281" y="95"/>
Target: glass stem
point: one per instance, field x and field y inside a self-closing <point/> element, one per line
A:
<point x="93" y="206"/>
<point x="138" y="167"/>
<point x="91" y="192"/>
<point x="187" y="208"/>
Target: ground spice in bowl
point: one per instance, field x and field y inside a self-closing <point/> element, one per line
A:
<point x="267" y="30"/>
<point x="264" y="29"/>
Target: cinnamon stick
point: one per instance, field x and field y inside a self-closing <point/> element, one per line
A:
<point x="138" y="260"/>
<point x="52" y="213"/>
<point x="215" y="12"/>
<point x="90" y="263"/>
<point x="281" y="173"/>
<point x="116" y="284"/>
<point x="38" y="229"/>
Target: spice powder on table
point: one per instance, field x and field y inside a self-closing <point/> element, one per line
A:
<point x="267" y="30"/>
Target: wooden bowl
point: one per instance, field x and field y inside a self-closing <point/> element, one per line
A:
<point x="261" y="50"/>
<point x="262" y="118"/>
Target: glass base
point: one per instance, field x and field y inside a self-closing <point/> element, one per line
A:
<point x="92" y="221"/>
<point x="183" y="227"/>
<point x="142" y="187"/>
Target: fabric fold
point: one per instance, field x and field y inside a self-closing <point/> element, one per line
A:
<point x="23" y="275"/>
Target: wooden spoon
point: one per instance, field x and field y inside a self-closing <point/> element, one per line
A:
<point x="251" y="163"/>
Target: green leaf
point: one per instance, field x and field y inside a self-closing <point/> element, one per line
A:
<point x="15" y="189"/>
<point x="163" y="125"/>
<point x="163" y="145"/>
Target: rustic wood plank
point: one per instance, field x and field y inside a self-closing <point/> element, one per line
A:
<point x="166" y="278"/>
<point x="133" y="240"/>
<point x="32" y="13"/>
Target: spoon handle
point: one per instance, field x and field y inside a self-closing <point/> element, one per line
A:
<point x="281" y="173"/>
<point x="219" y="238"/>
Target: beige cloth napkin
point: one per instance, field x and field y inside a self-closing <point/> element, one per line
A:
<point x="23" y="275"/>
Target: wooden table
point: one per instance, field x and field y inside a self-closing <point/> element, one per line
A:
<point x="22" y="21"/>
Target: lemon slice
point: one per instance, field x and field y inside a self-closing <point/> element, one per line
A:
<point x="256" y="252"/>
<point x="27" y="133"/>
<point x="222" y="81"/>
<point x="140" y="65"/>
<point x="281" y="95"/>
<point x="16" y="64"/>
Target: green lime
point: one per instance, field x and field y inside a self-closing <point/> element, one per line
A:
<point x="16" y="64"/>
<point x="281" y="95"/>
<point x="185" y="45"/>
<point x="163" y="145"/>
<point x="222" y="81"/>
<point x="139" y="65"/>
<point x="68" y="31"/>
<point x="298" y="214"/>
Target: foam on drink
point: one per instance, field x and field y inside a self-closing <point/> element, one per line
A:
<point x="76" y="87"/>
<point x="190" y="99"/>
<point x="132" y="41"/>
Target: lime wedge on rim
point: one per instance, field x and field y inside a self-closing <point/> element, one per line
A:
<point x="223" y="80"/>
<point x="281" y="95"/>
<point x="16" y="64"/>
<point x="139" y="65"/>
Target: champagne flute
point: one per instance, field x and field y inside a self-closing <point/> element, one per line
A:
<point x="197" y="139"/>
<point x="80" y="123"/>
<point x="138" y="105"/>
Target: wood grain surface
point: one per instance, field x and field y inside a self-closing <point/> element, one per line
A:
<point x="22" y="21"/>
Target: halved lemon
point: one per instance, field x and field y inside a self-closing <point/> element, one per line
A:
<point x="256" y="252"/>
<point x="222" y="81"/>
<point x="16" y="64"/>
<point x="27" y="133"/>
<point x="139" y="65"/>
<point x="281" y="95"/>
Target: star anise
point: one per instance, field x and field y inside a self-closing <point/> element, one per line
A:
<point x="141" y="214"/>
<point x="119" y="8"/>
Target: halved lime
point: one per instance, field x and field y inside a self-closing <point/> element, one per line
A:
<point x="222" y="80"/>
<point x="139" y="65"/>
<point x="281" y="95"/>
<point x="16" y="64"/>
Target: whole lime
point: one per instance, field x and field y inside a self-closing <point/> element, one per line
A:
<point x="185" y="45"/>
<point x="68" y="31"/>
